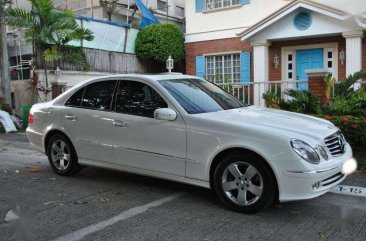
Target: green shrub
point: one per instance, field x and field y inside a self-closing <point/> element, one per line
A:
<point x="355" y="105"/>
<point x="158" y="41"/>
<point x="353" y="128"/>
<point x="301" y="101"/>
<point x="274" y="100"/>
<point x="343" y="89"/>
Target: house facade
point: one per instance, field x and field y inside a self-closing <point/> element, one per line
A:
<point x="259" y="41"/>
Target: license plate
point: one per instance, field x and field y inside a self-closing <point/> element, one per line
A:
<point x="349" y="190"/>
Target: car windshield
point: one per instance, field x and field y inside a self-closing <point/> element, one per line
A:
<point x="199" y="96"/>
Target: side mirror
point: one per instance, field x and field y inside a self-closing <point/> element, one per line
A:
<point x="165" y="114"/>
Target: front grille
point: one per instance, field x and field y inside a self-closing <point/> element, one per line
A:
<point x="332" y="179"/>
<point x="335" y="144"/>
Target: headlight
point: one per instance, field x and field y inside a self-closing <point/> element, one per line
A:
<point x="322" y="152"/>
<point x="305" y="151"/>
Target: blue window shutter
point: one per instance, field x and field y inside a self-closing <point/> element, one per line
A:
<point x="200" y="66"/>
<point x="244" y="67"/>
<point x="242" y="2"/>
<point x="200" y="5"/>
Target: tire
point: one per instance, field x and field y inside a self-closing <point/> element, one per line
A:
<point x="244" y="183"/>
<point x="62" y="156"/>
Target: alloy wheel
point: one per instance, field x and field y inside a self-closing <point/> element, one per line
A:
<point x="60" y="155"/>
<point x="242" y="183"/>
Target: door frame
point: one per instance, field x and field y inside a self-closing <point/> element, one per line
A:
<point x="285" y="51"/>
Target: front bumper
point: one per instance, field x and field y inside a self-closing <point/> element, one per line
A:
<point x="306" y="184"/>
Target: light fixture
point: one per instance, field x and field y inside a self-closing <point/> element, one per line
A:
<point x="170" y="64"/>
<point x="342" y="56"/>
<point x="276" y="61"/>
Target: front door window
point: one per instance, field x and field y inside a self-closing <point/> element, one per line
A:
<point x="136" y="98"/>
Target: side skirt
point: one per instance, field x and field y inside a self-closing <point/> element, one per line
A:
<point x="144" y="172"/>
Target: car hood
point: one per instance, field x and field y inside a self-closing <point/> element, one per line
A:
<point x="290" y="124"/>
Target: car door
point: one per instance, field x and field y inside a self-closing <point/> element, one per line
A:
<point x="142" y="141"/>
<point x="88" y="121"/>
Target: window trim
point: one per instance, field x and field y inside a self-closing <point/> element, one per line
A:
<point x="222" y="54"/>
<point x="222" y="6"/>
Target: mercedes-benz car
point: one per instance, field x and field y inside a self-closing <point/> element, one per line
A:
<point x="186" y="129"/>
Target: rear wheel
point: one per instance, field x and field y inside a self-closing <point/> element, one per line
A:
<point x="62" y="156"/>
<point x="244" y="183"/>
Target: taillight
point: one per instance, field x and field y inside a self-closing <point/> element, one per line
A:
<point x="30" y="118"/>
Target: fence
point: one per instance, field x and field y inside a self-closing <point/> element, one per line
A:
<point x="106" y="62"/>
<point x="251" y="93"/>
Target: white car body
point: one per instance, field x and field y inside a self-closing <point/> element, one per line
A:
<point x="185" y="149"/>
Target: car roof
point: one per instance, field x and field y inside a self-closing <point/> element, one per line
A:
<point x="153" y="77"/>
<point x="147" y="77"/>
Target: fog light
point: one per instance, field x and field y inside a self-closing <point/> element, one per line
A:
<point x="349" y="166"/>
<point x="316" y="185"/>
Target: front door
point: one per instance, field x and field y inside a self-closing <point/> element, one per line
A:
<point x="140" y="140"/>
<point x="305" y="60"/>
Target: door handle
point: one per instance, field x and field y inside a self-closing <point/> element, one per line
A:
<point x="71" y="117"/>
<point x="119" y="123"/>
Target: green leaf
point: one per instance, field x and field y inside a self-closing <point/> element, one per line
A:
<point x="51" y="30"/>
<point x="158" y="41"/>
<point x="51" y="54"/>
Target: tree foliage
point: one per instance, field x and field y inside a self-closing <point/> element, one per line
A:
<point x="158" y="41"/>
<point x="343" y="89"/>
<point x="50" y="30"/>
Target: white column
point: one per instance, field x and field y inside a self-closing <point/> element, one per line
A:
<point x="353" y="52"/>
<point x="261" y="75"/>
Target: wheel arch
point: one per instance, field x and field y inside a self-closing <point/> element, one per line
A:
<point x="218" y="157"/>
<point x="51" y="133"/>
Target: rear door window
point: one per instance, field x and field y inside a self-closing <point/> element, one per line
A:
<point x="75" y="99"/>
<point x="99" y="95"/>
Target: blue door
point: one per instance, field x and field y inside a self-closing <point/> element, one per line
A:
<point x="307" y="59"/>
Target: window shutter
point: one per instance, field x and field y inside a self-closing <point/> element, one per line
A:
<point x="244" y="67"/>
<point x="200" y="5"/>
<point x="242" y="2"/>
<point x="200" y="66"/>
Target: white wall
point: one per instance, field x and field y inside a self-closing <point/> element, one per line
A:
<point x="321" y="25"/>
<point x="70" y="78"/>
<point x="225" y="23"/>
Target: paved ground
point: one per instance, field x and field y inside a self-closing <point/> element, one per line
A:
<point x="106" y="205"/>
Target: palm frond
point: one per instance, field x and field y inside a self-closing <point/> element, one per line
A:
<point x="80" y="34"/>
<point x="303" y="101"/>
<point x="329" y="82"/>
<point x="343" y="88"/>
<point x="19" y="18"/>
<point x="51" y="30"/>
<point x="75" y="55"/>
<point x="51" y="54"/>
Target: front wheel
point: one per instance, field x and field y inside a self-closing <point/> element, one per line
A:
<point x="244" y="183"/>
<point x="62" y="156"/>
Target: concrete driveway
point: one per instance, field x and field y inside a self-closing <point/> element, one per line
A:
<point x="100" y="204"/>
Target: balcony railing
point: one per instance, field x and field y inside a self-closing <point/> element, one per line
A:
<point x="251" y="93"/>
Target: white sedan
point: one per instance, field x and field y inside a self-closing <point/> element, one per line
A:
<point x="185" y="129"/>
